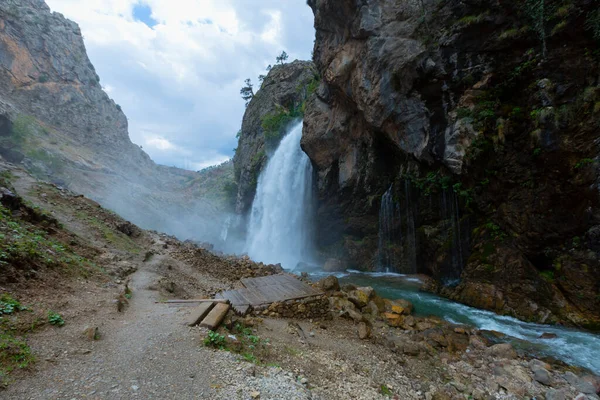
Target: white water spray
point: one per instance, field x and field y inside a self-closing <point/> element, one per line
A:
<point x="280" y="223"/>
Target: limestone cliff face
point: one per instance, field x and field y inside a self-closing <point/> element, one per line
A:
<point x="282" y="91"/>
<point x="483" y="134"/>
<point x="45" y="72"/>
<point x="56" y="120"/>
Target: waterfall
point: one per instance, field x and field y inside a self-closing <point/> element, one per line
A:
<point x="280" y="222"/>
<point x="397" y="246"/>
<point x="455" y="236"/>
<point x="387" y="217"/>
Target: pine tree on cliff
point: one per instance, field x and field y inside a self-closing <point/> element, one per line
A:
<point x="247" y="92"/>
<point x="282" y="58"/>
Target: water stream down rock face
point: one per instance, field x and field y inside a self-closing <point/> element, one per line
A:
<point x="280" y="223"/>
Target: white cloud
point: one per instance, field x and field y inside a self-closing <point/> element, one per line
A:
<point x="179" y="81"/>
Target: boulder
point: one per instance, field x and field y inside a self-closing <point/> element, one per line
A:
<point x="371" y="309"/>
<point x="341" y="304"/>
<point x="393" y="320"/>
<point x="553" y="394"/>
<point x="400" y="307"/>
<point x="334" y="265"/>
<point x="542" y="376"/>
<point x="547" y="335"/>
<point x="329" y="284"/>
<point x="364" y="330"/>
<point x="361" y="296"/>
<point x="353" y="315"/>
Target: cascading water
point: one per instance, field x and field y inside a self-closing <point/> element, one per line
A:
<point x="397" y="250"/>
<point x="387" y="217"/>
<point x="280" y="229"/>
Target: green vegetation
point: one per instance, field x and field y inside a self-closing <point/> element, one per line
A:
<point x="52" y="162"/>
<point x="495" y="231"/>
<point x="513" y="33"/>
<point x="582" y="163"/>
<point x="9" y="306"/>
<point x="282" y="58"/>
<point x="548" y="276"/>
<point x="472" y="19"/>
<point x="243" y="341"/>
<point x="386" y="391"/>
<point x="592" y="23"/>
<point x="55" y="319"/>
<point x="14" y="352"/>
<point x="247" y="92"/>
<point x="213" y="339"/>
<point x="22" y="244"/>
<point x="275" y="124"/>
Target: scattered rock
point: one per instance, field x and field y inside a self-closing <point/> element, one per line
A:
<point x="502" y="350"/>
<point x="393" y="320"/>
<point x="542" y="376"/>
<point x="361" y="296"/>
<point x="364" y="331"/>
<point x="548" y="336"/>
<point x="91" y="333"/>
<point x="400" y="307"/>
<point x="329" y="284"/>
<point x="255" y="395"/>
<point x="553" y="394"/>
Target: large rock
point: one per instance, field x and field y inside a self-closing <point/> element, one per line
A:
<point x="361" y="296"/>
<point x="399" y="306"/>
<point x="329" y="284"/>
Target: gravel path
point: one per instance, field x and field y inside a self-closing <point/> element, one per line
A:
<point x="147" y="353"/>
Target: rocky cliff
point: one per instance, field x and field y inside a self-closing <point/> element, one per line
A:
<point x="56" y="119"/>
<point x="459" y="140"/>
<point x="277" y="104"/>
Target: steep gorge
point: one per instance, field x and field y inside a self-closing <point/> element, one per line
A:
<point x="486" y="135"/>
<point x="56" y="119"/>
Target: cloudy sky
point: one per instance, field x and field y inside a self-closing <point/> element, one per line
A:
<point x="177" y="66"/>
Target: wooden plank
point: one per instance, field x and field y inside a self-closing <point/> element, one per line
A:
<point x="192" y="301"/>
<point x="235" y="297"/>
<point x="254" y="296"/>
<point x="215" y="317"/>
<point x="198" y="314"/>
<point x="241" y="310"/>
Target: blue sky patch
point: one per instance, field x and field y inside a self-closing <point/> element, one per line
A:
<point x="143" y="13"/>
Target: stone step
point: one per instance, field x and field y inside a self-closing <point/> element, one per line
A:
<point x="215" y="317"/>
<point x="198" y="313"/>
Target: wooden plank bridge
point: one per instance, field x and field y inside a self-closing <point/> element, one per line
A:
<point x="257" y="292"/>
<point x="266" y="290"/>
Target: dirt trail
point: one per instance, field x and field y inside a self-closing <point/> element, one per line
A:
<point x="145" y="353"/>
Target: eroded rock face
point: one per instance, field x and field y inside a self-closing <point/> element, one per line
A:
<point x="486" y="146"/>
<point x="45" y="72"/>
<point x="283" y="88"/>
<point x="58" y="122"/>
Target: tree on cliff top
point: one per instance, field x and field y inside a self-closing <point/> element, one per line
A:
<point x="282" y="58"/>
<point x="247" y="92"/>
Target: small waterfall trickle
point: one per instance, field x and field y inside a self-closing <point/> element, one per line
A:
<point x="280" y="229"/>
<point x="454" y="236"/>
<point x="397" y="250"/>
<point x="411" y="236"/>
<point x="388" y="213"/>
